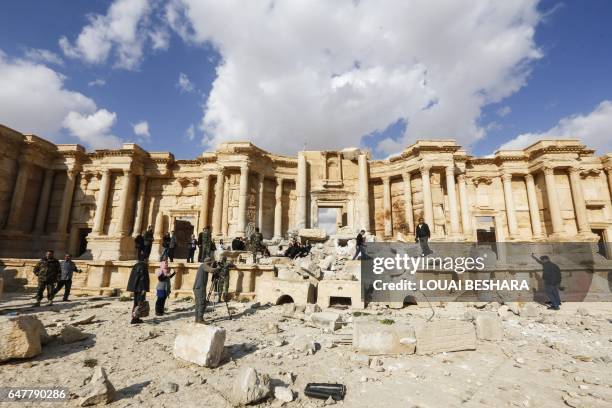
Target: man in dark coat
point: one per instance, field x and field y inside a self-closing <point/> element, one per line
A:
<point x="172" y="246"/>
<point x="551" y="275"/>
<point x="204" y="242"/>
<point x="148" y="241"/>
<point x="138" y="284"/>
<point x="199" y="289"/>
<point x="48" y="272"/>
<point x="165" y="247"/>
<point x="140" y="246"/>
<point x="422" y="235"/>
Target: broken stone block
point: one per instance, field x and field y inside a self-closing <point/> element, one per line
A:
<point x="374" y="338"/>
<point x="326" y="320"/>
<point x="287" y="272"/>
<point x="312" y="308"/>
<point x="200" y="344"/>
<point x="288" y="309"/>
<point x="99" y="390"/>
<point x="310" y="267"/>
<point x="489" y="327"/>
<point x="20" y="337"/>
<point x="304" y="344"/>
<point x="284" y="394"/>
<point x="70" y="334"/>
<point x="445" y="336"/>
<point x="317" y="234"/>
<point x="327" y="262"/>
<point x="84" y="320"/>
<point x="362" y="359"/>
<point x="250" y="386"/>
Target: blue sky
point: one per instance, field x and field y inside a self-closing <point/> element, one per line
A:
<point x="329" y="74"/>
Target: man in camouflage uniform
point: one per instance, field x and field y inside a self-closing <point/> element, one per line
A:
<point x="204" y="242"/>
<point x="222" y="277"/>
<point x="48" y="272"/>
<point x="257" y="244"/>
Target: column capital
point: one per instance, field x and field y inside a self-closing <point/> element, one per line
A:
<point x="142" y="178"/>
<point x="386" y="179"/>
<point x="574" y="170"/>
<point x="506" y="177"/>
<point x="105" y="172"/>
<point x="406" y="175"/>
<point x="244" y="166"/>
<point x="548" y="170"/>
<point x="461" y="177"/>
<point x="450" y="169"/>
<point x="280" y="180"/>
<point x="221" y="171"/>
<point x="425" y="167"/>
<point x="529" y="177"/>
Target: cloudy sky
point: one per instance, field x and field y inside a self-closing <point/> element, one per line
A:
<point x="184" y="75"/>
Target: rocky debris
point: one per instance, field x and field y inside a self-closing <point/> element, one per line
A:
<point x="84" y="320"/>
<point x="288" y="272"/>
<point x="200" y="344"/>
<point x="309" y="266"/>
<point x="288" y="309"/>
<point x="169" y="388"/>
<point x="250" y="386"/>
<point x="523" y="309"/>
<point x="284" y="394"/>
<point x="70" y="334"/>
<point x="326" y="320"/>
<point x="20" y="337"/>
<point x="272" y="328"/>
<point x="489" y="327"/>
<point x="327" y="262"/>
<point x="444" y="336"/>
<point x="99" y="390"/>
<point x="304" y="345"/>
<point x="374" y="338"/>
<point x="317" y="234"/>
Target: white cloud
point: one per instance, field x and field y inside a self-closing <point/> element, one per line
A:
<point x="593" y="129"/>
<point x="94" y="129"/>
<point x="184" y="84"/>
<point x="332" y="72"/>
<point x="503" y="111"/>
<point x="160" y="39"/>
<point x="97" y="82"/>
<point x="142" y="129"/>
<point x="43" y="56"/>
<point x="190" y="133"/>
<point x="33" y="98"/>
<point x="121" y="32"/>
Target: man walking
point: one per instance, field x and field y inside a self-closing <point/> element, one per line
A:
<point x="360" y="247"/>
<point x="48" y="271"/>
<point x="172" y="247"/>
<point x="422" y="235"/>
<point x="199" y="289"/>
<point x="551" y="275"/>
<point x="65" y="281"/>
<point x="148" y="242"/>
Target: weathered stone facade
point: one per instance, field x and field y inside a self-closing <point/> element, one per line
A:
<point x="62" y="197"/>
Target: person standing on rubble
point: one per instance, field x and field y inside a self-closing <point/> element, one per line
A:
<point x="360" y="247"/>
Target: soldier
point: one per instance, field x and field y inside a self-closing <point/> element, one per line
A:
<point x="257" y="244"/>
<point x="48" y="272"/>
<point x="222" y="274"/>
<point x="204" y="241"/>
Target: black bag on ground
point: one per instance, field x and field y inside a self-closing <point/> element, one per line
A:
<point x="324" y="391"/>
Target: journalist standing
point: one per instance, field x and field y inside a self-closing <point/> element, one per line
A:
<point x="138" y="284"/>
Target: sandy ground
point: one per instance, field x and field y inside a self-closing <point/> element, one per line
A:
<point x="553" y="360"/>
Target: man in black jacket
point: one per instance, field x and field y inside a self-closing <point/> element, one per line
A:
<point x="422" y="235"/>
<point x="140" y="246"/>
<point x="138" y="283"/>
<point x="551" y="275"/>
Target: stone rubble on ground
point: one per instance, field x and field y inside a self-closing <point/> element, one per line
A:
<point x="20" y="337"/>
<point x="200" y="344"/>
<point x="250" y="386"/>
<point x="99" y="390"/>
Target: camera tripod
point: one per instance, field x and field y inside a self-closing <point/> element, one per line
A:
<point x="217" y="284"/>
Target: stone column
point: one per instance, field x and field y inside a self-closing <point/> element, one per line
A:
<point x="62" y="224"/>
<point x="452" y="200"/>
<point x="408" y="212"/>
<point x="205" y="198"/>
<point x="427" y="202"/>
<point x="466" y="222"/>
<point x="609" y="172"/>
<point x="243" y="198"/>
<point x="534" y="211"/>
<point x="43" y="203"/>
<point x="579" y="205"/>
<point x="278" y="209"/>
<point x="218" y="204"/>
<point x="388" y="215"/>
<point x="553" y="201"/>
<point x="364" y="200"/>
<point x="301" y="191"/>
<point x="98" y="225"/>
<point x="18" y="195"/>
<point x="260" y="200"/>
<point x="509" y="200"/>
<point x="123" y="203"/>
<point x="142" y="193"/>
<point x="225" y="212"/>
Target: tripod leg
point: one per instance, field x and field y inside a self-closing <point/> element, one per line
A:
<point x="228" y="310"/>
